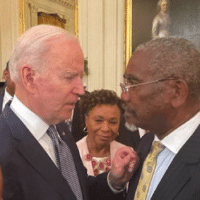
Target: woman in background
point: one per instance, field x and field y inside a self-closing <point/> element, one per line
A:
<point x="161" y="22"/>
<point x="102" y="110"/>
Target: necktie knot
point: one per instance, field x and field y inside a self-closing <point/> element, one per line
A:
<point x="69" y="125"/>
<point x="157" y="147"/>
<point x="53" y="134"/>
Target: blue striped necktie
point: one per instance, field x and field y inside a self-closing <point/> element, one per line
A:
<point x="65" y="161"/>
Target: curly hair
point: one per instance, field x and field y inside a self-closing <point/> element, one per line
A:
<point x="99" y="97"/>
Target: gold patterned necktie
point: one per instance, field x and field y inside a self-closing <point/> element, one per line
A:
<point x="148" y="171"/>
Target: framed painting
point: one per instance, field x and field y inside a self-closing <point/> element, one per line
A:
<point x="63" y="13"/>
<point x="181" y="19"/>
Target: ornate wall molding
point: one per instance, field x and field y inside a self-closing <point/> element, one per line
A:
<point x="67" y="9"/>
<point x="66" y="3"/>
<point x="22" y="16"/>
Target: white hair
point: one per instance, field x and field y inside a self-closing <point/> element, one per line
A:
<point x="33" y="46"/>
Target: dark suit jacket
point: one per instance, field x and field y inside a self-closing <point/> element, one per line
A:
<point x="182" y="178"/>
<point x="77" y="124"/>
<point x="28" y="171"/>
<point x="1" y="99"/>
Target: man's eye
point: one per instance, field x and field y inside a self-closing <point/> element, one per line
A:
<point x="113" y="122"/>
<point x="131" y="83"/>
<point x="70" y="77"/>
<point x="98" y="120"/>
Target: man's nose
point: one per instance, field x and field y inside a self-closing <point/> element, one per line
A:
<point x="79" y="88"/>
<point x="125" y="96"/>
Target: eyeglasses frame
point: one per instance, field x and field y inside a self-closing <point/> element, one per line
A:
<point x="125" y="88"/>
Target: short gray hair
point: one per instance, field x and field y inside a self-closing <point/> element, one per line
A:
<point x="33" y="46"/>
<point x="175" y="57"/>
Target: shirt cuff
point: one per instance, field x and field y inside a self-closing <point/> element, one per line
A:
<point x="114" y="190"/>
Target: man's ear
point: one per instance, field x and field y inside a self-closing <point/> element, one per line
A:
<point x="5" y="74"/>
<point x="181" y="92"/>
<point x="28" y="78"/>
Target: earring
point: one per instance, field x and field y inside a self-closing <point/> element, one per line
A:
<point x="85" y="129"/>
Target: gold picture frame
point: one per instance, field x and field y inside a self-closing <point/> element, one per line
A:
<point x="22" y="19"/>
<point x="128" y="31"/>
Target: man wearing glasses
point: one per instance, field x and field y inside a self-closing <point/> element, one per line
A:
<point x="162" y="91"/>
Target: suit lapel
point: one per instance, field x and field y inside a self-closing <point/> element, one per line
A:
<point x="35" y="155"/>
<point x="1" y="99"/>
<point x="180" y="170"/>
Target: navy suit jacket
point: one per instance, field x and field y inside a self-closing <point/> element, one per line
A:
<point x="28" y="171"/>
<point x="182" y="178"/>
<point x="1" y="99"/>
<point x="77" y="124"/>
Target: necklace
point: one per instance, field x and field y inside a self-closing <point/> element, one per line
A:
<point x="99" y="165"/>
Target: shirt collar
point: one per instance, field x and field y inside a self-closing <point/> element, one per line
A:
<point x="7" y="95"/>
<point x="33" y="122"/>
<point x="71" y="118"/>
<point x="6" y="98"/>
<point x="177" y="138"/>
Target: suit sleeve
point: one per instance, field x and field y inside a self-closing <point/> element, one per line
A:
<point x="99" y="189"/>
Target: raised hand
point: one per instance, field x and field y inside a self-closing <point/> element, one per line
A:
<point x="124" y="164"/>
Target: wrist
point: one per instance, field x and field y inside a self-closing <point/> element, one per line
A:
<point x="115" y="183"/>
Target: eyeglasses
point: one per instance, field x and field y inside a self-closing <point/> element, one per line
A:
<point x="125" y="88"/>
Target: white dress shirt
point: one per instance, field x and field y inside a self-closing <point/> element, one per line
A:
<point x="173" y="143"/>
<point x="35" y="125"/>
<point x="7" y="97"/>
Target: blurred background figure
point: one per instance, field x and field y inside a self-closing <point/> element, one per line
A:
<point x="129" y="134"/>
<point x="102" y="110"/>
<point x="8" y="90"/>
<point x="76" y="124"/>
<point x="161" y="22"/>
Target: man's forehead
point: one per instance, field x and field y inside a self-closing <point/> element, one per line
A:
<point x="131" y="77"/>
<point x="137" y="66"/>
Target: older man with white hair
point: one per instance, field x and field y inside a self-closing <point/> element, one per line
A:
<point x="47" y="67"/>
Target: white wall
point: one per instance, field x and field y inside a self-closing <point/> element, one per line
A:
<point x="9" y="30"/>
<point x="101" y="34"/>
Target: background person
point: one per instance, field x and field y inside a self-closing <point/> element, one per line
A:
<point x="8" y="90"/>
<point x="129" y="134"/>
<point x="161" y="22"/>
<point x="102" y="110"/>
<point x="162" y="92"/>
<point x="76" y="122"/>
